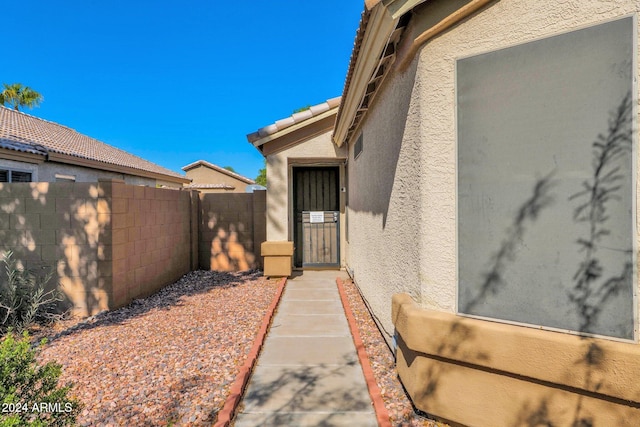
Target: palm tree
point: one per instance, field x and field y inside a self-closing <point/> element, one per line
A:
<point x="16" y="96"/>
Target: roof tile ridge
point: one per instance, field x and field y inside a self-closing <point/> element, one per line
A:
<point x="39" y="118"/>
<point x="219" y="169"/>
<point x="296" y="118"/>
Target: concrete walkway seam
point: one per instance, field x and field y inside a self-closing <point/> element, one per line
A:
<point x="237" y="389"/>
<point x="382" y="414"/>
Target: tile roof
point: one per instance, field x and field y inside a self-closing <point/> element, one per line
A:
<point x="219" y="169"/>
<point x="25" y="133"/>
<point x="211" y="186"/>
<point x="296" y="118"/>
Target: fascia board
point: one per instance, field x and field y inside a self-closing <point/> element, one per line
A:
<point x="21" y="156"/>
<point x="295" y="127"/>
<point x="377" y="33"/>
<point x="397" y="8"/>
<point x="79" y="161"/>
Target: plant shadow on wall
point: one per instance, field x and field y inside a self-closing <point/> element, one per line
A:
<point x="83" y="247"/>
<point x="227" y="234"/>
<point x="593" y="287"/>
<point x="526" y="216"/>
<point x="459" y="342"/>
<point x="29" y="237"/>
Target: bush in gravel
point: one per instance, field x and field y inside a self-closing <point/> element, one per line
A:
<point x="23" y="299"/>
<point x="29" y="392"/>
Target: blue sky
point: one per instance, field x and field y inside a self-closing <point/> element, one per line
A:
<point x="178" y="81"/>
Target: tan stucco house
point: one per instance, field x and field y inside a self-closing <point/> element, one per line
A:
<point x="209" y="178"/>
<point x="492" y="177"/>
<point x="487" y="150"/>
<point x="305" y="185"/>
<point x="37" y="150"/>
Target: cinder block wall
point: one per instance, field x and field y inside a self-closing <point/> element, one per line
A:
<point x="63" y="226"/>
<point x="107" y="242"/>
<point x="150" y="239"/>
<point x="232" y="227"/>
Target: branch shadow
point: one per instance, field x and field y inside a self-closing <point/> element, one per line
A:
<point x="593" y="287"/>
<point x="527" y="214"/>
<point x="227" y="231"/>
<point x="294" y="390"/>
<point x="592" y="290"/>
<point x="193" y="283"/>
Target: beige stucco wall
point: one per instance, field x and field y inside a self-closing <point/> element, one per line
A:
<point x="205" y="175"/>
<point x="405" y="178"/>
<point x="489" y="374"/>
<point x="402" y="238"/>
<point x="505" y="23"/>
<point x="385" y="200"/>
<point x="318" y="150"/>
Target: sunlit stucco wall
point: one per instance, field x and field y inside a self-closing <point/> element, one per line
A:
<point x="509" y="375"/>
<point x="503" y="24"/>
<point x="385" y="199"/>
<point x="47" y="171"/>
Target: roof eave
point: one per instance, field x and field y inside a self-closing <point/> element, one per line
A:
<point x="264" y="140"/>
<point x="80" y="161"/>
<point x="377" y="31"/>
<point x="382" y="20"/>
<point x="21" y="156"/>
<point x="217" y="168"/>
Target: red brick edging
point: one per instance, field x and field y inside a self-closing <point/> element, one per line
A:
<point x="237" y="389"/>
<point x="382" y="415"/>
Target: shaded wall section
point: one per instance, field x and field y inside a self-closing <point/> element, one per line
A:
<point x="232" y="227"/>
<point x="107" y="242"/>
<point x="149" y="244"/>
<point x="110" y="242"/>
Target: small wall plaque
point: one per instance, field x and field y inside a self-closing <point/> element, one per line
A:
<point x="315" y="217"/>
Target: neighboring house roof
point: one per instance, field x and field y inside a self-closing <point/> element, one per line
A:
<point x="28" y="134"/>
<point x="296" y="128"/>
<point x="218" y="169"/>
<point x="210" y="186"/>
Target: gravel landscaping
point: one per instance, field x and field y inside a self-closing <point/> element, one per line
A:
<point x="169" y="359"/>
<point x="398" y="405"/>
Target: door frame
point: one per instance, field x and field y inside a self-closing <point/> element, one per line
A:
<point x="310" y="163"/>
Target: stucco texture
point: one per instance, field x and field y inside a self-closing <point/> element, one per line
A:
<point x="468" y="371"/>
<point x="316" y="150"/>
<point x="385" y="199"/>
<point x="46" y="172"/>
<point x="503" y="24"/>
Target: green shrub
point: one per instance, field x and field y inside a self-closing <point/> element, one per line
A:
<point x="23" y="299"/>
<point x="29" y="392"/>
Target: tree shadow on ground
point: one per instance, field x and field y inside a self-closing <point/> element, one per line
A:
<point x="306" y="388"/>
<point x="192" y="283"/>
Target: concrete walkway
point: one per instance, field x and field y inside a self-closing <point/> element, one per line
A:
<point x="308" y="373"/>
